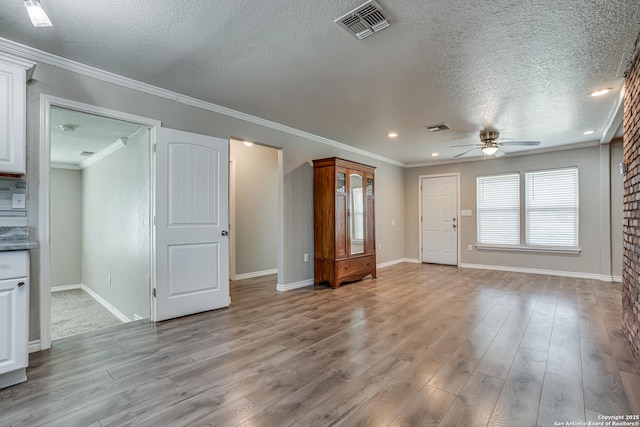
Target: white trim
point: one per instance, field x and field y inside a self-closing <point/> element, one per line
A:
<point x="572" y="274"/>
<point x="392" y="262"/>
<point x="96" y="73"/>
<point x="296" y="285"/>
<point x="615" y="118"/>
<point x="65" y="166"/>
<point x="103" y="302"/>
<point x="138" y="317"/>
<point x="617" y="279"/>
<point x="256" y="274"/>
<point x="16" y="61"/>
<point x="412" y="260"/>
<point x="509" y="155"/>
<point x="106" y="151"/>
<point x="458" y="215"/>
<point x="34" y="346"/>
<point x="232" y="216"/>
<point x="536" y="249"/>
<point x="66" y="287"/>
<point x="44" y="201"/>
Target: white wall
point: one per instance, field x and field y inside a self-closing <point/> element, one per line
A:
<point x="115" y="227"/>
<point x="256" y="195"/>
<point x="66" y="227"/>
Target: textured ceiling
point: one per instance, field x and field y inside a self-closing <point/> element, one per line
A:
<point x="523" y="68"/>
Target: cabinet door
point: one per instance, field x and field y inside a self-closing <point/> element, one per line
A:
<point x="341" y="213"/>
<point x="356" y="217"/>
<point x="13" y="324"/>
<point x="370" y="209"/>
<point x="12" y="119"/>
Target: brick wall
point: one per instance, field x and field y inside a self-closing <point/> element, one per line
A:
<point x="631" y="210"/>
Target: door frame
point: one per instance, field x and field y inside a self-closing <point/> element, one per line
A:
<point x="44" y="199"/>
<point x="421" y="203"/>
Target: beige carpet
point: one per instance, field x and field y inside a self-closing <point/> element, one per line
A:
<point x="75" y="312"/>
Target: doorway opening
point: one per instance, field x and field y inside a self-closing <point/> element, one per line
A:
<point x="95" y="218"/>
<point x="254" y="211"/>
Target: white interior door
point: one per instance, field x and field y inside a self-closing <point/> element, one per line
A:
<point x="440" y="220"/>
<point x="191" y="220"/>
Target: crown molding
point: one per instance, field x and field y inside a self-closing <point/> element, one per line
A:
<point x="22" y="51"/>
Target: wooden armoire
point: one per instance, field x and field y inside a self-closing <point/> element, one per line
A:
<point x="344" y="221"/>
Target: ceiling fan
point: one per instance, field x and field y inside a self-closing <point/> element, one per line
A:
<point x="491" y="146"/>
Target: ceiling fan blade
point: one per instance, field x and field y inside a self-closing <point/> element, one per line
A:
<point x="468" y="145"/>
<point x="468" y="151"/>
<point x="499" y="153"/>
<point x="529" y="143"/>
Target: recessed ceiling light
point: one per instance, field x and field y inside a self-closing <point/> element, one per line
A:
<point x="588" y="132"/>
<point x="392" y="135"/>
<point x="434" y="154"/>
<point x="37" y="14"/>
<point x="601" y="92"/>
<point x="68" y="127"/>
<point x="248" y="143"/>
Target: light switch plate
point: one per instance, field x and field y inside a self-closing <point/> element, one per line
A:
<point x="19" y="201"/>
<point x="465" y="212"/>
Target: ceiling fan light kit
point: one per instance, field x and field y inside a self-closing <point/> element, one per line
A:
<point x="37" y="14"/>
<point x="490" y="145"/>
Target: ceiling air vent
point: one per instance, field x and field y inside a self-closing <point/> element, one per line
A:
<point x="437" y="128"/>
<point x="364" y="20"/>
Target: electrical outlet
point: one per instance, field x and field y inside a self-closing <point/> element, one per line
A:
<point x="379" y="246"/>
<point x="470" y="247"/>
<point x="393" y="222"/>
<point x="306" y="257"/>
<point x="109" y="279"/>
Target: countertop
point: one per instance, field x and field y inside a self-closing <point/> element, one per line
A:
<point x="16" y="245"/>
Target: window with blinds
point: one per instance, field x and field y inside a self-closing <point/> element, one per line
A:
<point x="357" y="221"/>
<point x="498" y="209"/>
<point x="552" y="207"/>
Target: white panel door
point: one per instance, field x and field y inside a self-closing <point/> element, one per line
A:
<point x="440" y="220"/>
<point x="192" y="218"/>
<point x="14" y="321"/>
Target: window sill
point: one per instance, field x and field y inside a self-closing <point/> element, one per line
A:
<point x="534" y="249"/>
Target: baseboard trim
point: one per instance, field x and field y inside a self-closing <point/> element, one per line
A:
<point x="103" y="302"/>
<point x="66" y="288"/>
<point x="390" y="263"/>
<point x="296" y="285"/>
<point x="256" y="274"/>
<point x="34" y="346"/>
<point x="412" y="260"/>
<point x="617" y="279"/>
<point x="572" y="274"/>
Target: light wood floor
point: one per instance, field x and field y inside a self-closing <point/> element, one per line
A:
<point x="420" y="345"/>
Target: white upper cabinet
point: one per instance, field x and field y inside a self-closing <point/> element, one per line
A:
<point x="13" y="86"/>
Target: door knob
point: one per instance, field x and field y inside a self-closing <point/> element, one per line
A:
<point x="225" y="233"/>
<point x="21" y="284"/>
<point x="454" y="226"/>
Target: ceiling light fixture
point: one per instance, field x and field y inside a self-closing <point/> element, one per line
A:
<point x="588" y="132"/>
<point x="37" y="14"/>
<point x="490" y="150"/>
<point x="68" y="127"/>
<point x="434" y="154"/>
<point x="601" y="92"/>
<point x="247" y="143"/>
<point x="392" y="135"/>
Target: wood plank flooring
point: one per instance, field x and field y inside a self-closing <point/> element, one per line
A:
<point x="421" y="345"/>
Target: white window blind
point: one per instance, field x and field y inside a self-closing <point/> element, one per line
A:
<point x="552" y="207"/>
<point x="498" y="209"/>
